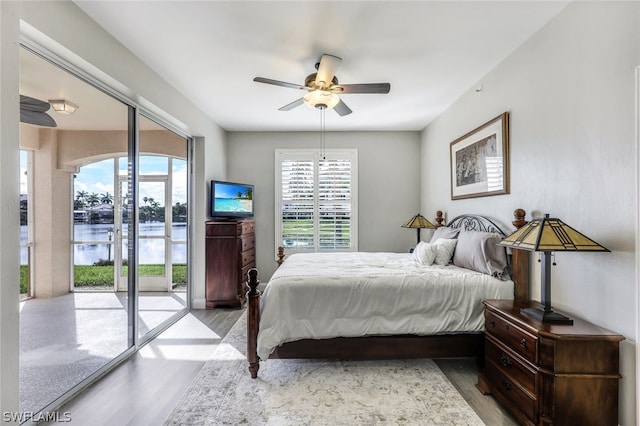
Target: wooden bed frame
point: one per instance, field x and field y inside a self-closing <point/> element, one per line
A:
<point x="389" y="347"/>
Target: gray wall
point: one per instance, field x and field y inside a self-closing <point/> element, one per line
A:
<point x="388" y="188"/>
<point x="570" y="90"/>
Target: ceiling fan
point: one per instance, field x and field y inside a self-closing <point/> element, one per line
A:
<point x="323" y="87"/>
<point x="33" y="111"/>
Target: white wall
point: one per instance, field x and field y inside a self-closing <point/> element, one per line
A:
<point x="63" y="27"/>
<point x="9" y="208"/>
<point x="388" y="194"/>
<point x="570" y="90"/>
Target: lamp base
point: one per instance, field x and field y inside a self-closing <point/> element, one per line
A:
<point x="547" y="316"/>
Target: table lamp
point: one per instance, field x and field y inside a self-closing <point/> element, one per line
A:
<point x="548" y="235"/>
<point x="418" y="221"/>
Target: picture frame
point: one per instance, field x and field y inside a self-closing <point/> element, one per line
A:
<point x="480" y="160"/>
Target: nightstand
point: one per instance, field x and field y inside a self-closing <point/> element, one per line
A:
<point x="548" y="374"/>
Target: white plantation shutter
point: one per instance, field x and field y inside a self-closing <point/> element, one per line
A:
<point x="316" y="200"/>
<point x="297" y="210"/>
<point x="334" y="204"/>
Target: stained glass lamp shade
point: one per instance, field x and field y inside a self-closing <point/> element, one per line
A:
<point x="418" y="222"/>
<point x="549" y="235"/>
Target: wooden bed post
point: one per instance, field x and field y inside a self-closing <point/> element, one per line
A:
<point x="520" y="261"/>
<point x="439" y="219"/>
<point x="280" y="256"/>
<point x="253" y="322"/>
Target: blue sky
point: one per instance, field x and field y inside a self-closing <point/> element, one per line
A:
<point x="229" y="191"/>
<point x="98" y="177"/>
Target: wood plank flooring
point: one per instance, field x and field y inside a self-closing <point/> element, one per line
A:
<point x="144" y="389"/>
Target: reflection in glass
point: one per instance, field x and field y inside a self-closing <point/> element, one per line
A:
<point x="26" y="225"/>
<point x="81" y="316"/>
<point x="163" y="216"/>
<point x="153" y="165"/>
<point x="75" y="324"/>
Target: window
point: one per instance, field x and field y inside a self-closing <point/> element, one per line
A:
<point x="316" y="200"/>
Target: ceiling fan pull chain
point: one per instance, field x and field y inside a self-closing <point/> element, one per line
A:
<point x="322" y="135"/>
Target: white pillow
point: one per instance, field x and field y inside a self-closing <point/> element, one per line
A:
<point x="424" y="253"/>
<point x="416" y="251"/>
<point x="444" y="250"/>
<point x="428" y="254"/>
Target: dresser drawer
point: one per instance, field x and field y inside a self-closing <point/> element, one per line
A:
<point x="511" y="364"/>
<point x="221" y="229"/>
<point x="504" y="387"/>
<point x="247" y="227"/>
<point x="248" y="242"/>
<point x="512" y="336"/>
<point x="229" y="229"/>
<point x="247" y="257"/>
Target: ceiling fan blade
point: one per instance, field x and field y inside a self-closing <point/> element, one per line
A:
<point x="280" y="83"/>
<point x="36" y="117"/>
<point x="362" y="88"/>
<point x="327" y="70"/>
<point x="342" y="109"/>
<point x="292" y="105"/>
<point x="33" y="104"/>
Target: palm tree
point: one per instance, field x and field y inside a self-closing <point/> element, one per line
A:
<point x="93" y="199"/>
<point x="106" y="198"/>
<point x="81" y="198"/>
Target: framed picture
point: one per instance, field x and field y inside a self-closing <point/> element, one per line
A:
<point x="480" y="160"/>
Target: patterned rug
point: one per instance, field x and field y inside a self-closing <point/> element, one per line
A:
<point x="316" y="392"/>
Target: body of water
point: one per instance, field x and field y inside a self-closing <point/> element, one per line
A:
<point x="92" y="243"/>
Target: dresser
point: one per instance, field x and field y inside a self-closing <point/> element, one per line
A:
<point x="550" y="374"/>
<point x="230" y="253"/>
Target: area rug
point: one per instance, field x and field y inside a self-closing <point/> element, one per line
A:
<point x="316" y="392"/>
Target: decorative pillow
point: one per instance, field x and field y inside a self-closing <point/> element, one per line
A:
<point x="444" y="232"/>
<point x="424" y="253"/>
<point x="480" y="252"/>
<point x="416" y="251"/>
<point x="444" y="250"/>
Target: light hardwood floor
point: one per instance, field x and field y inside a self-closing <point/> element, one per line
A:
<point x="144" y="389"/>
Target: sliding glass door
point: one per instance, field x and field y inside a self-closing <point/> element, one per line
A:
<point x="108" y="266"/>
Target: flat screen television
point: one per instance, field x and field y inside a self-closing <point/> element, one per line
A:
<point x="231" y="200"/>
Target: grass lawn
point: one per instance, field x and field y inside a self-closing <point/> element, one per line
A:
<point x="97" y="276"/>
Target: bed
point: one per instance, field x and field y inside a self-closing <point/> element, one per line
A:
<point x="385" y="305"/>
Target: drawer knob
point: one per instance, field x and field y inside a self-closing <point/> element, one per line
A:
<point x="523" y="343"/>
<point x="492" y="323"/>
<point x="506" y="361"/>
<point x="506" y="385"/>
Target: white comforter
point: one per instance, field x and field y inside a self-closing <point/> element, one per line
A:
<point x="325" y="295"/>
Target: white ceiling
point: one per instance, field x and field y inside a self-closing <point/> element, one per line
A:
<point x="430" y="51"/>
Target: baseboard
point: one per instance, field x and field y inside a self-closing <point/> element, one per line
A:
<point x="198" y="304"/>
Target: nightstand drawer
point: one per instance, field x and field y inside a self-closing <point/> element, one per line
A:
<point x="519" y="340"/>
<point x="511" y="365"/>
<point x="507" y="388"/>
<point x="548" y="374"/>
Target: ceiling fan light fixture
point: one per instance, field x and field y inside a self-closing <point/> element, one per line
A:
<point x="321" y="99"/>
<point x="63" y="106"/>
